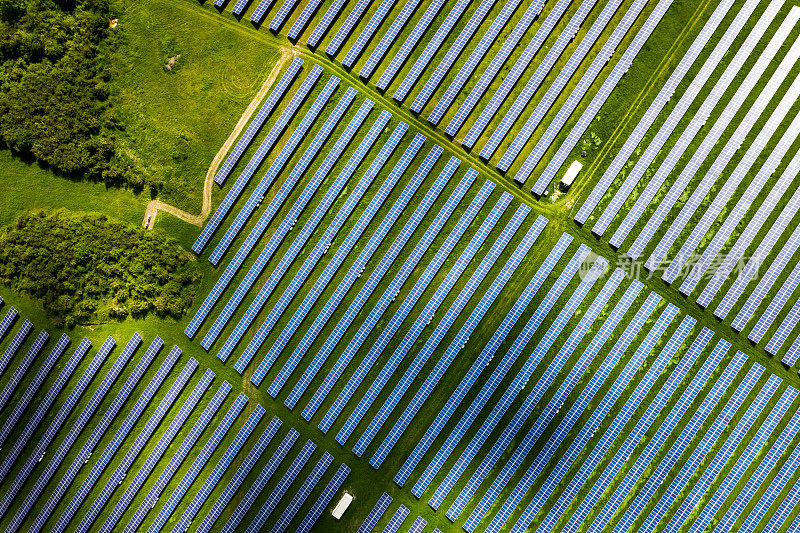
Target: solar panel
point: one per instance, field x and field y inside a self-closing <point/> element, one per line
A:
<point x="302" y="494"/>
<point x="375" y="514"/>
<point x="687" y="434"/>
<point x="330" y="196"/>
<point x="136" y="447"/>
<point x="262" y="479"/>
<point x="600" y="97"/>
<point x="531" y="13"/>
<point x="255" y="161"/>
<point x="344" y="31"/>
<point x="324" y="499"/>
<point x="375" y="278"/>
<point x="408" y="45"/>
<point x="621" y="382"/>
<point x="280" y="17"/>
<point x="723" y="454"/>
<point x="241" y="473"/>
<point x="21" y="441"/>
<point x="360" y="263"/>
<point x="202" y="458"/>
<point x="397" y="519"/>
<point x="478" y="52"/>
<point x="389" y="38"/>
<point x="101" y="427"/>
<point x="263" y="222"/>
<point x="261" y="10"/>
<point x="25" y="364"/>
<point x="299" y="132"/>
<point x="366" y="290"/>
<point x="122" y="432"/>
<point x="656" y="107"/>
<point x="12" y="348"/>
<point x="721" y="124"/>
<point x="110" y="522"/>
<point x="239" y="7"/>
<point x="324" y="25"/>
<point x="368" y="32"/>
<point x="525" y="372"/>
<point x="149" y="501"/>
<point x="498" y="374"/>
<point x="255" y="125"/>
<point x="418" y="526"/>
<point x="413" y="333"/>
<point x="302" y="20"/>
<point x="410" y="77"/>
<point x="322" y="246"/>
<point x="8" y="321"/>
<point x="460" y="340"/>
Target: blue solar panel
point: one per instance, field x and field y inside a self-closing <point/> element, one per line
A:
<point x="114" y="445"/>
<point x="136" y="447"/>
<point x="261" y="481"/>
<point x="422" y="320"/>
<point x="150" y="500"/>
<point x="261" y="10"/>
<point x="324" y="243"/>
<point x="367" y="33"/>
<point x="53" y="427"/>
<point x="391" y="292"/>
<point x="257" y="196"/>
<point x="679" y="184"/>
<point x="202" y="458"/>
<point x="355" y="306"/>
<point x="375" y="514"/>
<point x="25" y="364"/>
<point x="375" y="278"/>
<point x="241" y="473"/>
<point x="531" y="13"/>
<point x="330" y="196"/>
<point x="599" y="98"/>
<point x="12" y="348"/>
<point x="302" y="493"/>
<point x="656" y="107"/>
<point x="621" y="382"/>
<point x="255" y="125"/>
<point x="325" y="23"/>
<point x="364" y="256"/>
<point x="418" y="526"/>
<point x="683" y="440"/>
<point x="459" y="341"/>
<point x="210" y="482"/>
<point x="280" y="17"/>
<point x="511" y="78"/>
<point x="8" y="321"/>
<point x="300" y="24"/>
<point x="410" y="77"/>
<point x="344" y="31"/>
<point x="101" y="427"/>
<point x="557" y="87"/>
<point x="324" y="499"/>
<point x="408" y="45"/>
<point x="511" y="356"/>
<point x="75" y="428"/>
<point x="397" y="519"/>
<point x="21" y="440"/>
<point x="261" y="225"/>
<point x="498" y="374"/>
<point x="266" y="146"/>
<point x="239" y="7"/>
<point x="389" y="38"/>
<point x="110" y="522"/>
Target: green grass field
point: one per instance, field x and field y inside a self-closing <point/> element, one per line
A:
<point x="175" y="123"/>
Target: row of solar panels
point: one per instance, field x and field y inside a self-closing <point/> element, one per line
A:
<point x="705" y="254"/>
<point x="58" y="496"/>
<point x="396" y="520"/>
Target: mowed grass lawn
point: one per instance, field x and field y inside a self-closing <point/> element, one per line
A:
<point x="176" y="121"/>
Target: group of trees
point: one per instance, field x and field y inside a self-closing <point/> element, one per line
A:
<point x="86" y="268"/>
<point x="54" y="96"/>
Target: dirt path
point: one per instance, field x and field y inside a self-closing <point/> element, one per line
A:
<point x="154" y="206"/>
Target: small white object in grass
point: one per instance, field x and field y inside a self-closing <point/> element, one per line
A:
<point x="570" y="175"/>
<point x="342" y="506"/>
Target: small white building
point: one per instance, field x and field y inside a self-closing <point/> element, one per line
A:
<point x="342" y="506"/>
<point x="570" y="175"/>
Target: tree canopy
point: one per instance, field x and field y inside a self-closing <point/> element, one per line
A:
<point x="87" y="268"/>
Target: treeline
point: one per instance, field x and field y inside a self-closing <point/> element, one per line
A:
<point x="86" y="268"/>
<point x="54" y="96"/>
